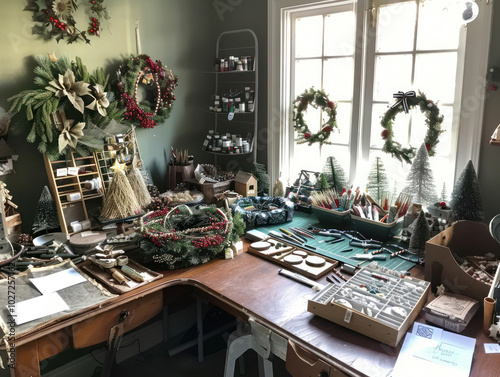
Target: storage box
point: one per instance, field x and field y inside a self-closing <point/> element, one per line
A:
<point x="376" y="229"/>
<point x="358" y="304"/>
<point x="210" y="190"/>
<point x="331" y="218"/>
<point x="451" y="311"/>
<point x="463" y="238"/>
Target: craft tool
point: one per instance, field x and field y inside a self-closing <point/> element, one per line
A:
<point x="301" y="233"/>
<point x="334" y="280"/>
<point x="369" y="257"/>
<point x="346" y="250"/>
<point x="304" y="232"/>
<point x="330" y="242"/>
<point x="279" y="237"/>
<point x="293" y="239"/>
<point x="365" y="244"/>
<point x="330" y="234"/>
<point x="347" y="268"/>
<point x="66" y="255"/>
<point x="130" y="272"/>
<point x="298" y="236"/>
<point x="339" y="275"/>
<point x="301" y="279"/>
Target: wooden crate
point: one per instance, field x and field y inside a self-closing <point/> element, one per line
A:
<point x="210" y="190"/>
<point x="383" y="324"/>
<point x="13" y="227"/>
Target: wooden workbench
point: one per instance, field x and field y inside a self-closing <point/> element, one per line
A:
<point x="244" y="286"/>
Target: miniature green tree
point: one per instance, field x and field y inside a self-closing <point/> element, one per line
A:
<point x="278" y="189"/>
<point x="334" y="174"/>
<point x="260" y="173"/>
<point x="323" y="182"/>
<point x="466" y="202"/>
<point x="420" y="180"/>
<point x="420" y="235"/>
<point x="46" y="213"/>
<point x="377" y="180"/>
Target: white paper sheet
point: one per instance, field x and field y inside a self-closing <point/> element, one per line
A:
<point x="38" y="307"/>
<point x="435" y="351"/>
<point x="491" y="348"/>
<point x="57" y="281"/>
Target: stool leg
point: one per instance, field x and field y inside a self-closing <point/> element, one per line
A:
<point x="234" y="350"/>
<point x="265" y="367"/>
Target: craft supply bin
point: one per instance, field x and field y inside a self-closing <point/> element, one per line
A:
<point x="401" y="295"/>
<point x="377" y="230"/>
<point x="331" y="218"/>
<point x="464" y="238"/>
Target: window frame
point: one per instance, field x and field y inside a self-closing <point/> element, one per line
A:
<point x="471" y="109"/>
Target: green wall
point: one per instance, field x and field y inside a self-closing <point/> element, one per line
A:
<point x="182" y="34"/>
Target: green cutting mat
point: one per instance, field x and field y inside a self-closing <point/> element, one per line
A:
<point x="334" y="251"/>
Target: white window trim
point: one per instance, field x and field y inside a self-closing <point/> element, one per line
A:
<point x="279" y="103"/>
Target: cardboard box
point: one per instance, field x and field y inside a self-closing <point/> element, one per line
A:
<point x="210" y="190"/>
<point x="464" y="238"/>
<point x="388" y="319"/>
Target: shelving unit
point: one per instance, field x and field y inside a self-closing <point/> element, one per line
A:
<point x="67" y="183"/>
<point x="231" y="43"/>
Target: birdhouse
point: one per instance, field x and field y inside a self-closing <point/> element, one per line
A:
<point x="245" y="184"/>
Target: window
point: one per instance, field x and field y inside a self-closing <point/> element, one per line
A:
<point x="360" y="61"/>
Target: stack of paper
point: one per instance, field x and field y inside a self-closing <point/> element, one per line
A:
<point x="434" y="352"/>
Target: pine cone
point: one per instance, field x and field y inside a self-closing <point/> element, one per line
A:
<point x="25" y="239"/>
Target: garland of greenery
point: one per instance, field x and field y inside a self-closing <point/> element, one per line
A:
<point x="142" y="69"/>
<point x="69" y="109"/>
<point x="55" y="19"/>
<point x="181" y="237"/>
<point x="433" y="121"/>
<point x="317" y="99"/>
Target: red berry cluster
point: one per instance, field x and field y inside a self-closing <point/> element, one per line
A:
<point x="57" y="24"/>
<point x="160" y="241"/>
<point x="208" y="241"/>
<point x="94" y="25"/>
<point x="156" y="67"/>
<point x="135" y="112"/>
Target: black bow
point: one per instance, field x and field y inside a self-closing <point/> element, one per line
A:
<point x="404" y="99"/>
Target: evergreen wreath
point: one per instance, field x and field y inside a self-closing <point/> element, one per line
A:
<point x="68" y="110"/>
<point x="317" y="99"/>
<point x="183" y="237"/>
<point x="142" y="69"/>
<point x="55" y="19"/>
<point x="408" y="101"/>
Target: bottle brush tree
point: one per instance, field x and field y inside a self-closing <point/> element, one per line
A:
<point x="335" y="174"/>
<point x="377" y="181"/>
<point x="466" y="202"/>
<point x="420" y="235"/>
<point x="46" y="213"/>
<point x="420" y="181"/>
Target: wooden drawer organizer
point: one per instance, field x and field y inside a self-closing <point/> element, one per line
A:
<point x="358" y="304"/>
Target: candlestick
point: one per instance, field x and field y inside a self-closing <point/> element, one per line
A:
<point x="138" y="38"/>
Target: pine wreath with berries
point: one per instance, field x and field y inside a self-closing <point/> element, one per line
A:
<point x="141" y="69"/>
<point x="433" y="121"/>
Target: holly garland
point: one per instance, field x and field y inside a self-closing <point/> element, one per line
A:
<point x="317" y="99"/>
<point x="56" y="19"/>
<point x="433" y="120"/>
<point x="142" y="69"/>
<point x="181" y="237"/>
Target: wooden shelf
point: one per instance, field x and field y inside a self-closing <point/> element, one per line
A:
<point x="75" y="210"/>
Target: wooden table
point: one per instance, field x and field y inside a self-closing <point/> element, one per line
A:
<point x="244" y="286"/>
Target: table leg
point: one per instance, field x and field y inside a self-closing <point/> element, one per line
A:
<point x="27" y="361"/>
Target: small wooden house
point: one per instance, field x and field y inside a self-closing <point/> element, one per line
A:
<point x="245" y="184"/>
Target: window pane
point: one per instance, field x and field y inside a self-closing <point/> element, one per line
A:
<point x="344" y="112"/>
<point x="392" y="74"/>
<point x="338" y="78"/>
<point x="396" y="27"/>
<point x="341" y="154"/>
<point x="395" y="171"/>
<point x="339" y="34"/>
<point x="435" y="75"/>
<point x="307" y="74"/>
<point x="376" y="129"/>
<point x="308" y="36"/>
<point x="438" y="26"/>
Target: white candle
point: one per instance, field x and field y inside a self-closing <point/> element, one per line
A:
<point x="137" y="38"/>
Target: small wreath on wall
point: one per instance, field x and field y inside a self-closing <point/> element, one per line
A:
<point x="317" y="99"/>
<point x="55" y="19"/>
<point x="142" y="69"/>
<point x="407" y="101"/>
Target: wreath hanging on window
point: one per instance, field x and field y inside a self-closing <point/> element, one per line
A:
<point x="159" y="82"/>
<point x="317" y="99"/>
<point x="405" y="102"/>
<point x="55" y="19"/>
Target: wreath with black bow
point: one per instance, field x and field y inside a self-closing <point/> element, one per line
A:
<point x="405" y="102"/>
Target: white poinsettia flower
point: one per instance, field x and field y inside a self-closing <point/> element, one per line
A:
<point x="100" y="102"/>
<point x="62" y="8"/>
<point x="70" y="134"/>
<point x="65" y="86"/>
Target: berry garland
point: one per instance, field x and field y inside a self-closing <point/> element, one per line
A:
<point x="55" y="19"/>
<point x="317" y="99"/>
<point x="142" y="69"/>
<point x="182" y="237"/>
<point x="433" y="121"/>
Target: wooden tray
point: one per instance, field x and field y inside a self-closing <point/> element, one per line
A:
<point x="107" y="281"/>
<point x="303" y="268"/>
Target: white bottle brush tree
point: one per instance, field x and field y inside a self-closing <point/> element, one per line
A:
<point x="420" y="181"/>
<point x="377" y="181"/>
